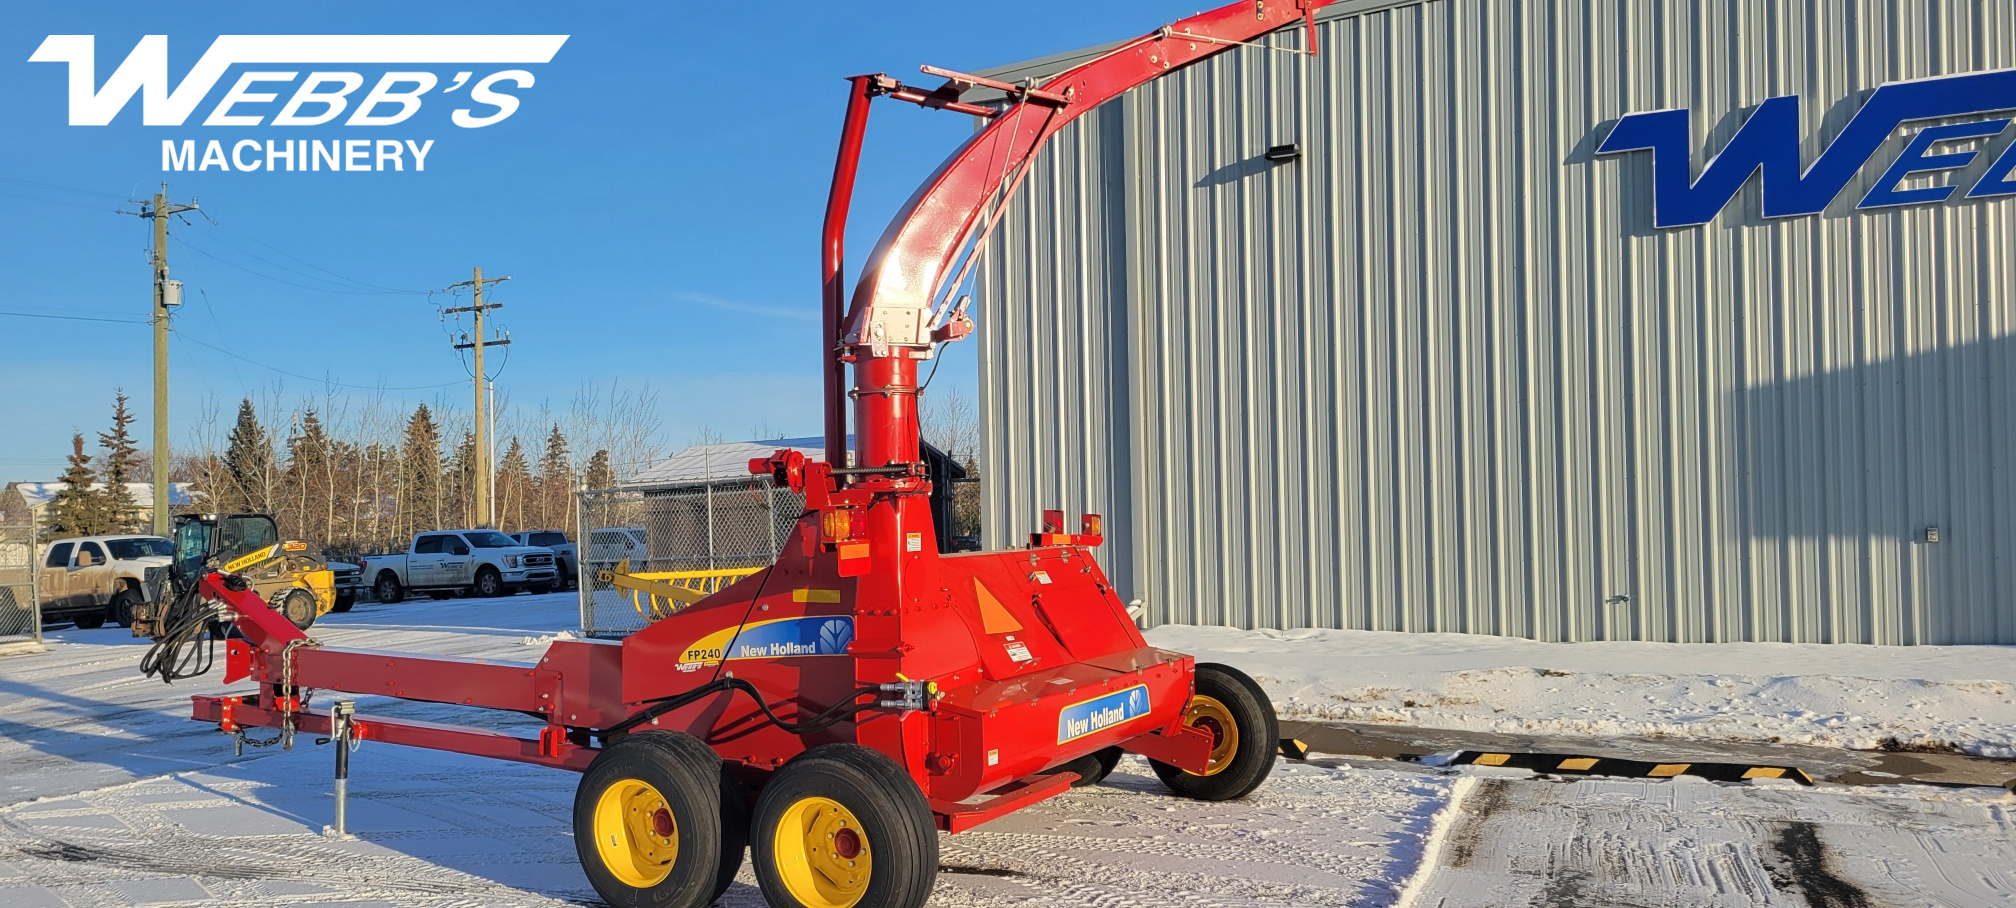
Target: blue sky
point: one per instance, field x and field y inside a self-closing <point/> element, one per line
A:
<point x="656" y="199"/>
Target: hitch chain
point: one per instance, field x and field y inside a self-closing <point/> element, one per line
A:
<point x="240" y="740"/>
<point x="293" y="700"/>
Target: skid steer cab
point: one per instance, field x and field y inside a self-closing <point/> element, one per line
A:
<point x="290" y="575"/>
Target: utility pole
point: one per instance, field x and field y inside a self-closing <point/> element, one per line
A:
<point x="476" y="341"/>
<point x="167" y="296"/>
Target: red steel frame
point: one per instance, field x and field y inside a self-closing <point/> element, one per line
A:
<point x="1012" y="644"/>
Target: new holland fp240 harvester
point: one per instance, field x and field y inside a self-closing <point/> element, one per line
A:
<point x="836" y="711"/>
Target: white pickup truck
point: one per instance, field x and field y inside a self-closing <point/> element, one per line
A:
<point x="96" y="578"/>
<point x="566" y="555"/>
<point x="445" y="562"/>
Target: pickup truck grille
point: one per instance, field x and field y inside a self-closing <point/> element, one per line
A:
<point x="344" y="578"/>
<point x="538" y="561"/>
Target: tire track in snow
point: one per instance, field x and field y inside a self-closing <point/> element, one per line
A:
<point x="1695" y="844"/>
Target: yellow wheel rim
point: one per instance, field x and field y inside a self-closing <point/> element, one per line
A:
<point x="1211" y="715"/>
<point x="635" y="833"/>
<point x="822" y="853"/>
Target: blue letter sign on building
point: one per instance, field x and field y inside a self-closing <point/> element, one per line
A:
<point x="1769" y="142"/>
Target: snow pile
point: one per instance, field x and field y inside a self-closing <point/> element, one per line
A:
<point x="1958" y="698"/>
<point x="544" y="639"/>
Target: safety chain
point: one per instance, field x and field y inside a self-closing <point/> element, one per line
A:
<point x="244" y="740"/>
<point x="287" y="659"/>
<point x="295" y="697"/>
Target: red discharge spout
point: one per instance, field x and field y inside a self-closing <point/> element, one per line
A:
<point x="833" y="289"/>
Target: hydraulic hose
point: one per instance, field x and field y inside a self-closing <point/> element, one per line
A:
<point x="833" y="715"/>
<point x="185" y="648"/>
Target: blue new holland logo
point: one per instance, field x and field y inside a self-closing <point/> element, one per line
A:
<point x="1768" y="142"/>
<point x="811" y="635"/>
<point x="1100" y="713"/>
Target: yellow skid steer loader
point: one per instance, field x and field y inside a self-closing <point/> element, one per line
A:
<point x="289" y="574"/>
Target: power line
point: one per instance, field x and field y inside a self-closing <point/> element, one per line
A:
<point x="353" y="285"/>
<point x="37" y="198"/>
<point x="185" y="336"/>
<point x="207" y="254"/>
<point x="214" y="323"/>
<point x="79" y="318"/>
<point x="295" y="271"/>
<point x="21" y="182"/>
<point x="310" y="264"/>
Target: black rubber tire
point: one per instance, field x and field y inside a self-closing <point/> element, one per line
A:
<point x="734" y="834"/>
<point x="88" y="621"/>
<point x="122" y="606"/>
<point x="566" y="578"/>
<point x="488" y="583"/>
<point x="388" y="589"/>
<point x="1093" y="768"/>
<point x="686" y="773"/>
<point x="298" y="607"/>
<point x="895" y="821"/>
<point x="1259" y="735"/>
<point x="344" y="602"/>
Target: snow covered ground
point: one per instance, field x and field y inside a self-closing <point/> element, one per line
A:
<point x="1507" y="839"/>
<point x="109" y="795"/>
<point x="1958" y="698"/>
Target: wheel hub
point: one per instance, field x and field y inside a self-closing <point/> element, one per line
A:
<point x="1214" y="718"/>
<point x="635" y="833"/>
<point x="823" y="855"/>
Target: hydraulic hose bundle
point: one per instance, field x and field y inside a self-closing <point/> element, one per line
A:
<point x="185" y="648"/>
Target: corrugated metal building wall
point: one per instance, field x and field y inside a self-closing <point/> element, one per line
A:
<point x="1443" y="374"/>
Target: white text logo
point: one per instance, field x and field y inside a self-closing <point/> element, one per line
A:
<point x="318" y="97"/>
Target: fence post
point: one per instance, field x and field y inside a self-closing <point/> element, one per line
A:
<point x="710" y="525"/>
<point x="585" y="584"/>
<point x="34" y="577"/>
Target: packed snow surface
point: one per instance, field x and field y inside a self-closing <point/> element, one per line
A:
<point x="1506" y="839"/>
<point x="1957" y="698"/>
<point x="111" y="796"/>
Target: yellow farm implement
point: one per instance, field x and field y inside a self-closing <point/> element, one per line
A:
<point x="657" y="594"/>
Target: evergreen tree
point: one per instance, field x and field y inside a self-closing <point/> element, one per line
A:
<point x="420" y="474"/>
<point x="600" y="474"/>
<point x="458" y="481"/>
<point x="310" y="494"/>
<point x="556" y="482"/>
<point x="79" y="507"/>
<point x="119" y="465"/>
<point x="248" y="465"/>
<point x="376" y="486"/>
<point x="514" y="489"/>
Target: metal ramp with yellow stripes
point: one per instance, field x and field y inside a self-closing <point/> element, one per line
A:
<point x="657" y="594"/>
<point x="1571" y="764"/>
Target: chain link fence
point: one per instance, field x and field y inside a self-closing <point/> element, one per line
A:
<point x="20" y="618"/>
<point x="674" y="528"/>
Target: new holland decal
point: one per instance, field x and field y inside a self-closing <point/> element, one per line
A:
<point x="813" y="635"/>
<point x="1100" y="713"/>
